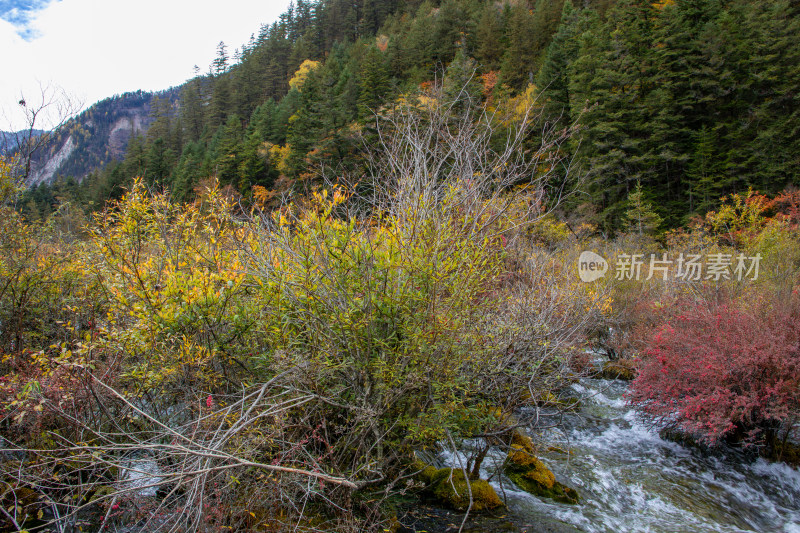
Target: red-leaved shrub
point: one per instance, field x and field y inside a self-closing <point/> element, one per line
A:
<point x="724" y="373"/>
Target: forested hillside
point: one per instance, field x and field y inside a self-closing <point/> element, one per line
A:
<point x="91" y="140"/>
<point x="389" y="266"/>
<point x="692" y="99"/>
<point x="9" y="139"/>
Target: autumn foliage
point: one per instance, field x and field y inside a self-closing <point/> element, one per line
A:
<point x="722" y="372"/>
<point x="263" y="369"/>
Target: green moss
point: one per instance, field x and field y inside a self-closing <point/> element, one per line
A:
<point x="624" y="369"/>
<point x="523" y="441"/>
<point x="422" y="472"/>
<point x="786" y="452"/>
<point x="427" y="474"/>
<point x="531" y="475"/>
<point x="551" y="400"/>
<point x="449" y="487"/>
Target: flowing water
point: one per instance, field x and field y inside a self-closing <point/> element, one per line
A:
<point x="630" y="479"/>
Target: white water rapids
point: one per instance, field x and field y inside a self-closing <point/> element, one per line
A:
<point x="631" y="480"/>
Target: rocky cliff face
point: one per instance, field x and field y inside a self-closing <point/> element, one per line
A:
<point x="93" y="139"/>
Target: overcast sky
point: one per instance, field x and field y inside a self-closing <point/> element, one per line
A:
<point x="97" y="48"/>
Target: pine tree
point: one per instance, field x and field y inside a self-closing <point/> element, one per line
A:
<point x="226" y="150"/>
<point x="161" y="113"/>
<point x="220" y="103"/>
<point x="374" y="85"/>
<point x="190" y="170"/>
<point x="450" y="26"/>
<point x="220" y="64"/>
<point x="159" y="160"/>
<point x="135" y="163"/>
<point x="687" y="88"/>
<point x="252" y="165"/>
<point x="460" y="84"/>
<point x="192" y="110"/>
<point x="546" y="17"/>
<point x="415" y="55"/>
<point x="612" y="76"/>
<point x="553" y="77"/>
<point x="704" y="177"/>
<point x="307" y="124"/>
<point x="640" y="217"/>
<point x="489" y="33"/>
<point x="768" y="151"/>
<point x="519" y="60"/>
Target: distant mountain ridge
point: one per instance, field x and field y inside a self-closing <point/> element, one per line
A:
<point x="8" y="139"/>
<point x="94" y="138"/>
<point x="689" y="101"/>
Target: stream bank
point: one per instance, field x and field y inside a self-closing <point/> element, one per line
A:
<point x="630" y="479"/>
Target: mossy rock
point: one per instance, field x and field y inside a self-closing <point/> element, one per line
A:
<point x="624" y="369"/>
<point x="424" y="473"/>
<point x="786" y="452"/>
<point x="449" y="487"/>
<point x="531" y="475"/>
<point x="550" y="399"/>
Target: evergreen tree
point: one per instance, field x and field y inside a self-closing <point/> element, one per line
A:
<point x="705" y="181"/>
<point x="460" y="84"/>
<point x="159" y="160"/>
<point x="546" y="17"/>
<point x="190" y="170"/>
<point x="220" y="64"/>
<point x="192" y="111"/>
<point x="220" y="103"/>
<point x="374" y="86"/>
<point x="253" y="163"/>
<point x="161" y="113"/>
<point x="451" y="25"/>
<point x="640" y="217"/>
<point x="614" y="78"/>
<point x="768" y="151"/>
<point x="489" y="35"/>
<point x="135" y="162"/>
<point x="414" y="57"/>
<point x="519" y="59"/>
<point x="686" y="91"/>
<point x="226" y="150"/>
<point x="553" y="77"/>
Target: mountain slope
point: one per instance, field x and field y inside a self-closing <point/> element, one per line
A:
<point x="9" y="139"/>
<point x="94" y="138"/>
<point x="685" y="100"/>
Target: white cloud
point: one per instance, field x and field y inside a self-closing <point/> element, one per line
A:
<point x="98" y="48"/>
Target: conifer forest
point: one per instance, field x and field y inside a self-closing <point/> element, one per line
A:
<point x="417" y="266"/>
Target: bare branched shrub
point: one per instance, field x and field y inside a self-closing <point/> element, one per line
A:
<point x="32" y="126"/>
<point x="390" y="300"/>
<point x="282" y="370"/>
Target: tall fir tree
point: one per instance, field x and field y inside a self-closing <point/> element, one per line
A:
<point x="519" y="59"/>
<point x="374" y="82"/>
<point x="553" y="77"/>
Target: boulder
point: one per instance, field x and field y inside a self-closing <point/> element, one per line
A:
<point x="529" y="473"/>
<point x="624" y="369"/>
<point x="449" y="487"/>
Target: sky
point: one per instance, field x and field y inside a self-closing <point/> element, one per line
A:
<point x="93" y="49"/>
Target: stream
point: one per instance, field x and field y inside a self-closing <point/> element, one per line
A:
<point x="631" y="480"/>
